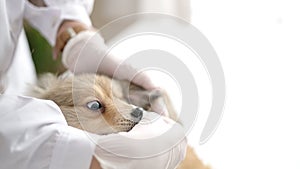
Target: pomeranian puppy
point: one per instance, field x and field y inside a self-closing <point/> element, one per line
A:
<point x="101" y="105"/>
<point x="88" y="102"/>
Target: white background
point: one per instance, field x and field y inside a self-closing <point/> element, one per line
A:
<point x="258" y="43"/>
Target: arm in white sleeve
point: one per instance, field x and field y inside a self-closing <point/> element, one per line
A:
<point x="35" y="135"/>
<point x="48" y="19"/>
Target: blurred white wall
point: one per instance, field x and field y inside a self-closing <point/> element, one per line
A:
<point x="258" y="43"/>
<point x="106" y="11"/>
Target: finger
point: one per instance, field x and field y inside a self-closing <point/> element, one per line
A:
<point x="61" y="41"/>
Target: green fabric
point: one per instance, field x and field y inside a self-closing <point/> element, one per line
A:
<point x="42" y="52"/>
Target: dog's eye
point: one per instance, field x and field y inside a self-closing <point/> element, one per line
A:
<point x="94" y="105"/>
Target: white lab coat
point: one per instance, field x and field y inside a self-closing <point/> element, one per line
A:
<point x="29" y="140"/>
<point x="14" y="51"/>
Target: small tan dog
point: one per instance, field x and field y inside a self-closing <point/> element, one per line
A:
<point x="100" y="105"/>
<point x="88" y="102"/>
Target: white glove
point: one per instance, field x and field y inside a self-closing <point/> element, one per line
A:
<point x="156" y="142"/>
<point x="87" y="52"/>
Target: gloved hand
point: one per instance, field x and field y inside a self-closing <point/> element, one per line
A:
<point x="87" y="52"/>
<point x="156" y="142"/>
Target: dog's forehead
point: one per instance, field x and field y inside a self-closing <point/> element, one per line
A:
<point x="90" y="84"/>
<point x="102" y="86"/>
<point x="110" y="87"/>
<point x="89" y="80"/>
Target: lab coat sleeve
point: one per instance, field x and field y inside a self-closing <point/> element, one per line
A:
<point x="34" y="135"/>
<point x="48" y="19"/>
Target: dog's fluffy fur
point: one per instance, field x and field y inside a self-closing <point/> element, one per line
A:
<point x="75" y="94"/>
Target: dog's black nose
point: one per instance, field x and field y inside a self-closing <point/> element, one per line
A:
<point x="137" y="113"/>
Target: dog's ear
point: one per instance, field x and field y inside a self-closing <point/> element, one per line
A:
<point x="161" y="102"/>
<point x="156" y="100"/>
<point x="44" y="82"/>
<point x="135" y="95"/>
<point x="47" y="81"/>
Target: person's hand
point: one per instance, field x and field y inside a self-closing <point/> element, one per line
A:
<point x="156" y="142"/>
<point x="95" y="164"/>
<point x="87" y="52"/>
<point x="84" y="51"/>
<point x="63" y="35"/>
